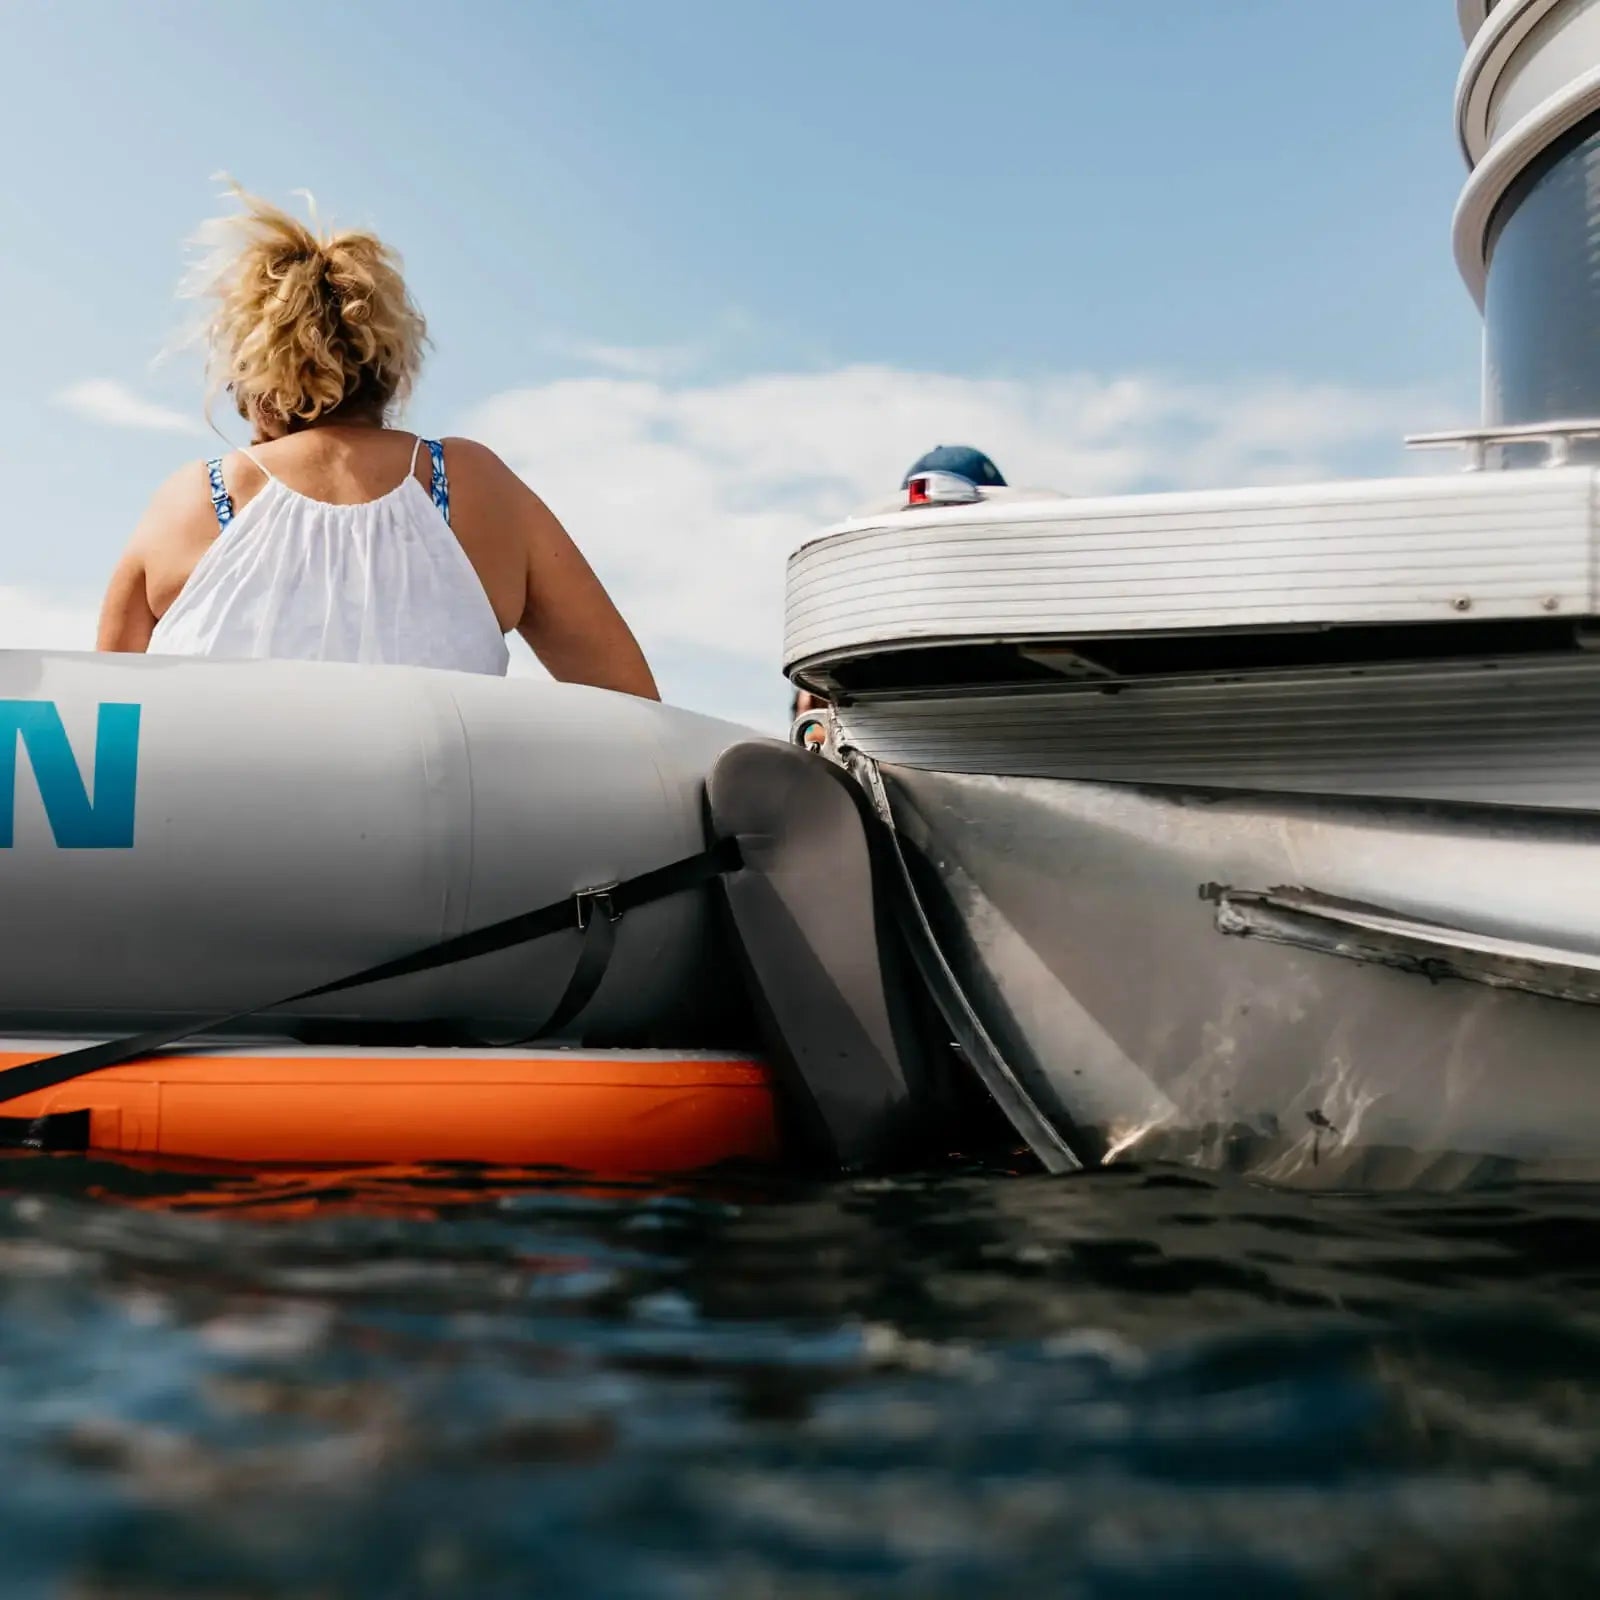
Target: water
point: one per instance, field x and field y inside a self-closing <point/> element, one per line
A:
<point x="1143" y="1382"/>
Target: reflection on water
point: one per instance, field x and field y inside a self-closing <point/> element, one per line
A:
<point x="1142" y="1382"/>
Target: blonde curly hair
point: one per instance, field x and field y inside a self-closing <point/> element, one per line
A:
<point x="302" y="322"/>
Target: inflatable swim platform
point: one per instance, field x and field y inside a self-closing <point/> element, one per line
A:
<point x="614" y="1111"/>
<point x="288" y="913"/>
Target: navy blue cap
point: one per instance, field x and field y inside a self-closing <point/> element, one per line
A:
<point x="962" y="459"/>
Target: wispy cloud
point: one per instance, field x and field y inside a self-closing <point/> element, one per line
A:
<point x="634" y="361"/>
<point x="689" y="497"/>
<point x="106" y="401"/>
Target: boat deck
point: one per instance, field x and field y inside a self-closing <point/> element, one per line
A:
<point x="1486" y="548"/>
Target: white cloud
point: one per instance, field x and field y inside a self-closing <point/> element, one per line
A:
<point x="31" y="620"/>
<point x="688" y="498"/>
<point x="117" y="406"/>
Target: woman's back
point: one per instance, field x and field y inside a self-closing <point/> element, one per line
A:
<point x="335" y="536"/>
<point x="332" y="545"/>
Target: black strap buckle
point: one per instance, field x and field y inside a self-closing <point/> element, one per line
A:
<point x="597" y="897"/>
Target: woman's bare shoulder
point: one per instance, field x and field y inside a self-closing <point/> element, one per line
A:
<point x="180" y="521"/>
<point x="180" y="504"/>
<point x="491" y="481"/>
<point x="189" y="480"/>
<point x="471" y="457"/>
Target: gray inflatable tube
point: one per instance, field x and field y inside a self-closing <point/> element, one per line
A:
<point x="180" y="838"/>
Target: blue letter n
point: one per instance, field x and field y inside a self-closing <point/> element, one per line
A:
<point x="78" y="823"/>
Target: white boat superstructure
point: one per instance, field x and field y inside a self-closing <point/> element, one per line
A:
<point x="1421" y="637"/>
<point x="1263" y="826"/>
<point x="1528" y="118"/>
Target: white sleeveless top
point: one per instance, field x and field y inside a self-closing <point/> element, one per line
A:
<point x="384" y="582"/>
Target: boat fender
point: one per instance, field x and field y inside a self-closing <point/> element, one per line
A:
<point x="833" y="993"/>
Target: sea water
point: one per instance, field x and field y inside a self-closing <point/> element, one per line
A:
<point x="1136" y="1382"/>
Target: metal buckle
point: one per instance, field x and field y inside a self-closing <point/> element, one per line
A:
<point x="585" y="900"/>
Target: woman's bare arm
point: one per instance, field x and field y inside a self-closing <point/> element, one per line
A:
<point x="571" y="623"/>
<point x="568" y="619"/>
<point x="126" y="620"/>
<point x="126" y="617"/>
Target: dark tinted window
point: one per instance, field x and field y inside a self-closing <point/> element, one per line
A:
<point x="1542" y="311"/>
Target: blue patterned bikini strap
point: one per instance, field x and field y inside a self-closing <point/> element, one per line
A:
<point x="221" y="501"/>
<point x="441" y="480"/>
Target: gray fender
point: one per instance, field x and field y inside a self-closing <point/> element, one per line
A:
<point x="835" y="999"/>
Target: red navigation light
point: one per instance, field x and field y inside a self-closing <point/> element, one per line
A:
<point x="941" y="489"/>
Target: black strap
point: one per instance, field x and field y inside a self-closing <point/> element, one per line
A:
<point x="594" y="957"/>
<point x="600" y="905"/>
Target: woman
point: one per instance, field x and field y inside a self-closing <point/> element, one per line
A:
<point x="335" y="537"/>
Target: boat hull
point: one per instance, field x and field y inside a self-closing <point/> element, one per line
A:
<point x="1321" y="990"/>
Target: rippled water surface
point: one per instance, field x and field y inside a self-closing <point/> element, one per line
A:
<point x="1142" y="1382"/>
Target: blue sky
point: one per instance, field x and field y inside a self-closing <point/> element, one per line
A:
<point x="709" y="273"/>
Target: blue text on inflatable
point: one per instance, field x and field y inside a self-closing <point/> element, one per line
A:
<point x="78" y="823"/>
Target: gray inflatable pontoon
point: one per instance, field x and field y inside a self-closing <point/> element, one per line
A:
<point x="182" y="838"/>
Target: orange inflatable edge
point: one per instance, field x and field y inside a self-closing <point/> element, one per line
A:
<point x="645" y="1112"/>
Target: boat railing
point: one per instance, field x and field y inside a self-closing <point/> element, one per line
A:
<point x="1557" y="437"/>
